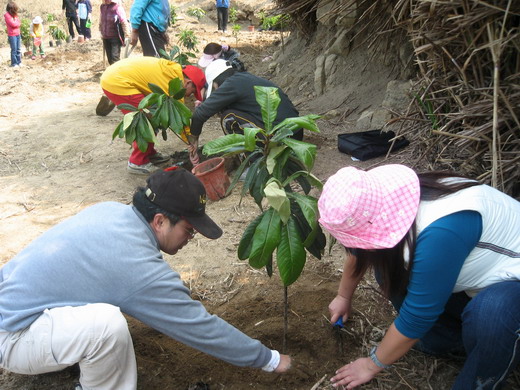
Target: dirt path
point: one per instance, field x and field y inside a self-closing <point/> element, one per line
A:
<point x="57" y="157"/>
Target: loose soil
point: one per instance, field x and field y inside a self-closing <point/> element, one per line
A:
<point x="57" y="157"/>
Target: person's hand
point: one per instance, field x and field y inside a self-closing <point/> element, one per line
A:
<point x="355" y="374"/>
<point x="134" y="37"/>
<point x="284" y="365"/>
<point x="193" y="149"/>
<point x="339" y="307"/>
<point x="197" y="103"/>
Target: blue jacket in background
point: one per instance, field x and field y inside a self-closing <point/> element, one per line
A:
<point x="223" y="3"/>
<point x="156" y="12"/>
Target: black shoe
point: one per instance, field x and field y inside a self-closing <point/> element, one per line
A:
<point x="159" y="158"/>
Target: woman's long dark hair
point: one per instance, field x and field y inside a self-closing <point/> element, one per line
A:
<point x="389" y="264"/>
<point x="12" y="8"/>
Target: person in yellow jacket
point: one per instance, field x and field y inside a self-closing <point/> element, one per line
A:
<point x="37" y="36"/>
<point x="126" y="81"/>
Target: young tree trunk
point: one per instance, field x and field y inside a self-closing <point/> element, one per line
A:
<point x="285" y="319"/>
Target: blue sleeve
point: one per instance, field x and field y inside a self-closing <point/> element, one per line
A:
<point x="440" y="253"/>
<point x="136" y="12"/>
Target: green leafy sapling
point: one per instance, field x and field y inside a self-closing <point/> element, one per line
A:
<point x="157" y="112"/>
<point x="278" y="164"/>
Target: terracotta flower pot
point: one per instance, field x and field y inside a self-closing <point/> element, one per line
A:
<point x="251" y="28"/>
<point x="213" y="175"/>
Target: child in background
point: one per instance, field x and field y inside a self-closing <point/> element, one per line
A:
<point x="84" y="13"/>
<point x="13" y="33"/>
<point x="37" y="36"/>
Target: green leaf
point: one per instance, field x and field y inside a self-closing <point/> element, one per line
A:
<point x="299" y="122"/>
<point x="142" y="144"/>
<point x="290" y="254"/>
<point x="281" y="134"/>
<point x="128" y="119"/>
<point x="305" y="151"/>
<point x="251" y="175"/>
<point x="250" y="138"/>
<point x="246" y="242"/>
<point x="314" y="240"/>
<point x="308" y="206"/>
<point x="269" y="100"/>
<point x="282" y="164"/>
<point x="271" y="157"/>
<point x="309" y="176"/>
<point x="174" y="86"/>
<point x="266" y="238"/>
<point x="127" y="107"/>
<point x="222" y="144"/>
<point x="148" y="100"/>
<point x="257" y="187"/>
<point x="156" y="89"/>
<point x="278" y="200"/>
<point x="119" y="131"/>
<point x="240" y="170"/>
<point x="148" y="131"/>
<point x="180" y="94"/>
<point x="175" y="122"/>
<point x="130" y="134"/>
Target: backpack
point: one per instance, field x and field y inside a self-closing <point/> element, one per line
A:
<point x="369" y="144"/>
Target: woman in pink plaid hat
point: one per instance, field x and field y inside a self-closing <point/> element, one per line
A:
<point x="446" y="251"/>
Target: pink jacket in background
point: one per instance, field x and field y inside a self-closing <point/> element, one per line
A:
<point x="107" y="18"/>
<point x="13" y="24"/>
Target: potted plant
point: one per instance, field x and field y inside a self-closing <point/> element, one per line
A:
<point x="287" y="224"/>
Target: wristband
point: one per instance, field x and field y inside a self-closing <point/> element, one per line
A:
<point x="376" y="361"/>
<point x="273" y="363"/>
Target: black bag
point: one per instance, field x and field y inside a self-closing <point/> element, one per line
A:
<point x="120" y="31"/>
<point x="369" y="144"/>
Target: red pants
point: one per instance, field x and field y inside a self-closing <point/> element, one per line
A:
<point x="137" y="157"/>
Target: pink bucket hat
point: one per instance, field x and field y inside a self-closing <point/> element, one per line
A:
<point x="370" y="209"/>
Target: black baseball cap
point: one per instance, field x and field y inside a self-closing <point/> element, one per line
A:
<point x="180" y="192"/>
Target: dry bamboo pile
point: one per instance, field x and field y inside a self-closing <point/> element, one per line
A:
<point x="466" y="113"/>
<point x="467" y="101"/>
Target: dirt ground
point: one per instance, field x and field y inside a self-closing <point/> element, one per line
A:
<point x="57" y="157"/>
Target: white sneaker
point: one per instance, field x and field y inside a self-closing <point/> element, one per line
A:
<point x="144" y="169"/>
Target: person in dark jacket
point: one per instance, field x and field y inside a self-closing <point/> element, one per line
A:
<point x="231" y="95"/>
<point x="71" y="13"/>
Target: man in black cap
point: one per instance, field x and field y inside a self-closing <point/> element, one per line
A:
<point x="62" y="297"/>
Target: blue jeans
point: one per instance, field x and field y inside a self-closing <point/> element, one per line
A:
<point x="485" y="328"/>
<point x="16" y="49"/>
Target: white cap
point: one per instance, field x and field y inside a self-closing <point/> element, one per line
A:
<point x="37" y="20"/>
<point x="215" y="69"/>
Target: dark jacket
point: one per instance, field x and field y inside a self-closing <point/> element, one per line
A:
<point x="70" y="8"/>
<point x="237" y="93"/>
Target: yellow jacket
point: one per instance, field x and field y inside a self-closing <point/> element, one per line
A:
<point x="131" y="76"/>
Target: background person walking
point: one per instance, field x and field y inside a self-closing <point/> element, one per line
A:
<point x="150" y="19"/>
<point x="222" y="14"/>
<point x="71" y="14"/>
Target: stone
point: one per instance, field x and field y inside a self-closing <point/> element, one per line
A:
<point x="397" y="96"/>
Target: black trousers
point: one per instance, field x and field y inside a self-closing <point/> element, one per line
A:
<point x="152" y="40"/>
<point x="234" y="122"/>
<point x="112" y="47"/>
<point x="222" y="18"/>
<point x="84" y="29"/>
<point x="71" y="22"/>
